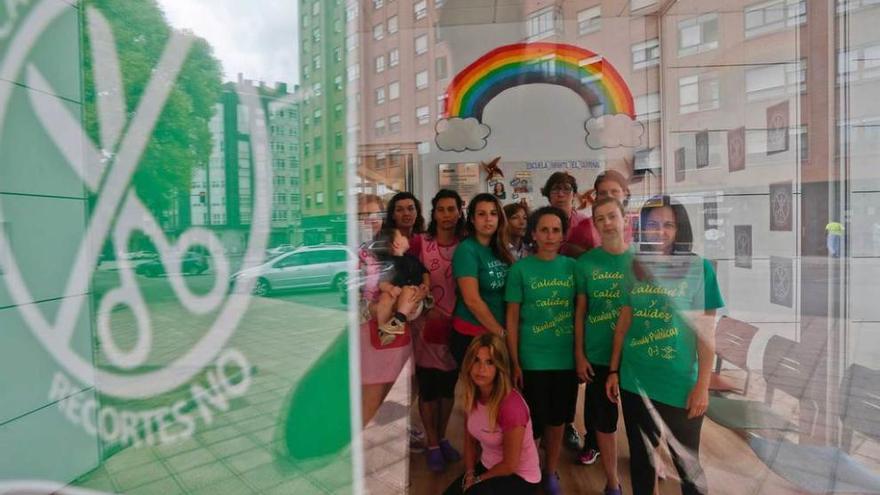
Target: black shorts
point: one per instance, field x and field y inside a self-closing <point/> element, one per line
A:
<point x="600" y="413"/>
<point x="436" y="384"/>
<point x="551" y="396"/>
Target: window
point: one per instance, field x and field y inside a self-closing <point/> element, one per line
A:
<point x="380" y="161"/>
<point x="393" y="57"/>
<point x="394" y="158"/>
<point x="319" y="198"/>
<point x="319" y="171"/>
<point x="306" y="149"/>
<point x="316" y="62"/>
<point x="589" y="20"/>
<point x="318" y="143"/>
<point x="316" y="116"/>
<point x="380" y="64"/>
<point x="337" y="83"/>
<point x="308" y="200"/>
<point x="422" y="79"/>
<point x="699" y="92"/>
<point x="377" y="4"/>
<point x="640" y="4"/>
<point x="394" y="123"/>
<point x="316" y="35"/>
<point x="646" y="54"/>
<point x="379" y="127"/>
<point x="307" y="173"/>
<point x="337" y="54"/>
<point x="392" y="24"/>
<point x="351" y="42"/>
<point x="420" y="9"/>
<point x="772" y="16"/>
<point x="338" y="140"/>
<point x="544" y="23"/>
<point x="337" y="111"/>
<point x="647" y="107"/>
<point x="354" y="72"/>
<point x="316" y="8"/>
<point x="423" y="115"/>
<point x="340" y="168"/>
<point x="774" y="81"/>
<point x="380" y="95"/>
<point x="858" y="63"/>
<point x="378" y="31"/>
<point x="698" y="35"/>
<point x="421" y="43"/>
<point x="340" y="197"/>
<point x="440" y="69"/>
<point x="394" y="90"/>
<point x="316" y="89"/>
<point x="441" y="105"/>
<point x="351" y="11"/>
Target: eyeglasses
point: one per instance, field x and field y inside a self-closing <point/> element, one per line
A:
<point x="563" y="189"/>
<point x="370" y="216"/>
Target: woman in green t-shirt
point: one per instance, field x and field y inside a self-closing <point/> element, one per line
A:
<point x="480" y="265"/>
<point x="540" y="334"/>
<point x="664" y="346"/>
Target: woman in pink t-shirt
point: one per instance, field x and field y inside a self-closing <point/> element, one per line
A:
<point x="500" y="455"/>
<point x="436" y="369"/>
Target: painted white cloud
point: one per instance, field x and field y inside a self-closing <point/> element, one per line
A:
<point x="613" y="131"/>
<point x="457" y="134"/>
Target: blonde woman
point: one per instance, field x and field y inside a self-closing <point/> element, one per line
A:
<point x="500" y="455"/>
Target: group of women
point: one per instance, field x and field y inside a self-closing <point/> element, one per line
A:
<point x="529" y="305"/>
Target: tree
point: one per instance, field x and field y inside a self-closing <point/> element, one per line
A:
<point x="181" y="138"/>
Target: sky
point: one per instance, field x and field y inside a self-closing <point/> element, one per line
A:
<point x="257" y="38"/>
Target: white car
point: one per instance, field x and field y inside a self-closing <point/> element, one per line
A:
<point x="307" y="267"/>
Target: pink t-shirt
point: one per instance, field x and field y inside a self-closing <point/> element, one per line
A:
<point x="513" y="413"/>
<point x="431" y="342"/>
<point x="581" y="232"/>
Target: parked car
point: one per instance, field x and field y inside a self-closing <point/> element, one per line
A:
<point x="190" y="264"/>
<point x="312" y="266"/>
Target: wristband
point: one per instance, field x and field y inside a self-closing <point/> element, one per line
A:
<point x="613" y="372"/>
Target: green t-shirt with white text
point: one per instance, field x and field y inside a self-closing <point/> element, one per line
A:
<point x="660" y="350"/>
<point x="605" y="279"/>
<point x="472" y="259"/>
<point x="545" y="291"/>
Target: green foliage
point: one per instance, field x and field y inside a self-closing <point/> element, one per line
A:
<point x="181" y="138"/>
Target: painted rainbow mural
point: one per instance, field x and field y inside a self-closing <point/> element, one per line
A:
<point x="584" y="72"/>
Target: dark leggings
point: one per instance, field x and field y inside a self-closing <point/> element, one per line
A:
<point x="590" y="441"/>
<point x="458" y="344"/>
<point x="499" y="485"/>
<point x="643" y="435"/>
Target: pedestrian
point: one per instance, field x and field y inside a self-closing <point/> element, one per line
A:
<point x="603" y="277"/>
<point x="500" y="455"/>
<point x="540" y="298"/>
<point x="436" y="372"/>
<point x="663" y="349"/>
<point x="480" y="266"/>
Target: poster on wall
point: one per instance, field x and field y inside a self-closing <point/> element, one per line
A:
<point x="780" y="207"/>
<point x="742" y="248"/>
<point x="463" y="178"/>
<point x="702" y="145"/>
<point x="777" y="128"/>
<point x="736" y="149"/>
<point x="781" y="281"/>
<point x="522" y="181"/>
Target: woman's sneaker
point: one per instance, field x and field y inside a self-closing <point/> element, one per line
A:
<point x="551" y="484"/>
<point x="434" y="458"/>
<point x="449" y="453"/>
<point x="587" y="456"/>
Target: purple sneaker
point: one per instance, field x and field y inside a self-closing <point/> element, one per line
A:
<point x="449" y="453"/>
<point x="434" y="457"/>
<point x="614" y="491"/>
<point x="551" y="484"/>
